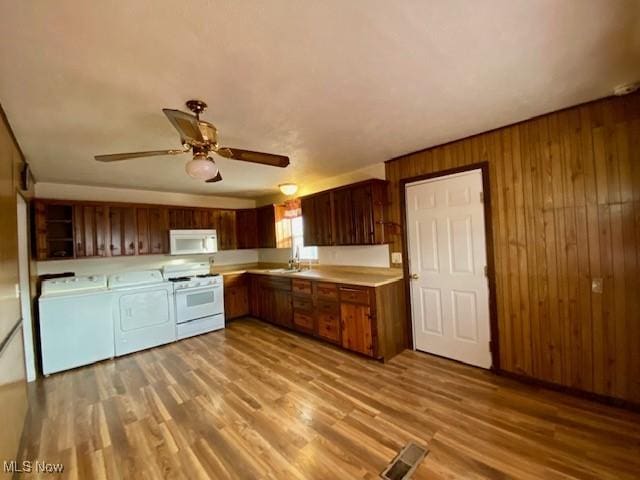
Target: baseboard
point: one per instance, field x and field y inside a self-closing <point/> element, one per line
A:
<point x="576" y="392"/>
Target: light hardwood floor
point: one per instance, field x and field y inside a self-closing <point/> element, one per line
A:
<point x="254" y="401"/>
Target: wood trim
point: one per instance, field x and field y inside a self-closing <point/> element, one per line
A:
<point x="491" y="271"/>
<point x="3" y="118"/>
<point x="576" y="392"/>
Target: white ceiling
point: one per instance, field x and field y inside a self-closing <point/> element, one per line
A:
<point x="336" y="84"/>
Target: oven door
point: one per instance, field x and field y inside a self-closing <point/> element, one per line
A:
<point x="195" y="303"/>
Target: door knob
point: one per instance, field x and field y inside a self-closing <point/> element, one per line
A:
<point x="414" y="276"/>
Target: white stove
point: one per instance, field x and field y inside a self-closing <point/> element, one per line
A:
<point x="198" y="298"/>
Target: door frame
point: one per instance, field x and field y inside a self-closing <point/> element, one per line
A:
<point x="23" y="228"/>
<point x="494" y="344"/>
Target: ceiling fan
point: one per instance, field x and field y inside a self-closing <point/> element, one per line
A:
<point x="201" y="138"/>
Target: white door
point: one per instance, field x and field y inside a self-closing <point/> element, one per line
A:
<point x="447" y="259"/>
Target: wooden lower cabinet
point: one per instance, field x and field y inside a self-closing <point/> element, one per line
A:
<point x="370" y="321"/>
<point x="328" y="321"/>
<point x="356" y="326"/>
<point x="236" y="296"/>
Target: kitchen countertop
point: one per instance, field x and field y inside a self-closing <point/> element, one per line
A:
<point x="362" y="276"/>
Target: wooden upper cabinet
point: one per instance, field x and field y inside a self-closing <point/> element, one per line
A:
<point x="91" y="230"/>
<point x="363" y="215"/>
<point x="247" y="228"/>
<point x="153" y="230"/>
<point x="266" y="226"/>
<point x="317" y="221"/>
<point x="224" y="222"/>
<point x="181" y="218"/>
<point x="350" y="215"/>
<point x="343" y="217"/>
<point x="124" y="231"/>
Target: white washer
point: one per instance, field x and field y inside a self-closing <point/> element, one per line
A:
<point x="76" y="327"/>
<point x="143" y="311"/>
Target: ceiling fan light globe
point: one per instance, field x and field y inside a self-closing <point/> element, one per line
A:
<point x="288" y="188"/>
<point x="201" y="168"/>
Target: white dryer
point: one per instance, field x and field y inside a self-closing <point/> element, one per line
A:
<point x="76" y="327"/>
<point x="143" y="311"/>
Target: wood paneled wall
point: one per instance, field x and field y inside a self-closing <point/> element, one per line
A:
<point x="565" y="196"/>
<point x="13" y="397"/>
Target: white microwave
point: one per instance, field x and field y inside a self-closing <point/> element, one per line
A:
<point x="189" y="242"/>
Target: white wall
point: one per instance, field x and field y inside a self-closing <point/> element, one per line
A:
<point x="108" y="194"/>
<point x="361" y="256"/>
<point x="109" y="265"/>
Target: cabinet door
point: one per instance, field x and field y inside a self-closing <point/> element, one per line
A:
<point x="129" y="231"/>
<point x="123" y="225"/>
<point x="254" y="296"/>
<point x="308" y="207"/>
<point x="316" y="220"/>
<point x="86" y="226"/>
<point x="181" y="218"/>
<point x="103" y="228"/>
<point x="225" y="224"/>
<point x="324" y="229"/>
<point x="142" y="215"/>
<point x="115" y="234"/>
<point x="356" y="328"/>
<point x="266" y="227"/>
<point x="40" y="223"/>
<point x="343" y="217"/>
<point x="236" y="301"/>
<point x="283" y="308"/>
<point x="247" y="228"/>
<point x="362" y="202"/>
<point x="158" y="230"/>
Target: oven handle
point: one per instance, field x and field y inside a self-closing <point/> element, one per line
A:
<point x="197" y="290"/>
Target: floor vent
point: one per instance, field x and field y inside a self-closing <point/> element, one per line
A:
<point x="405" y="463"/>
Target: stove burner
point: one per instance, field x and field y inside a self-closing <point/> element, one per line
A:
<point x="205" y="275"/>
<point x="180" y="279"/>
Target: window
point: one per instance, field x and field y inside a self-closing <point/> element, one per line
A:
<point x="297" y="234"/>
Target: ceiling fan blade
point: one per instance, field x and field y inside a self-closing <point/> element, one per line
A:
<point x="255" y="157"/>
<point x="187" y="125"/>
<point x="125" y="156"/>
<point x="217" y="178"/>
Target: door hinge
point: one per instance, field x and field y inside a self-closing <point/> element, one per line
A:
<point x="486" y="271"/>
<point x="481" y="197"/>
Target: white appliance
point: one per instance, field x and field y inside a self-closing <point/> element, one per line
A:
<point x="76" y="327"/>
<point x="199" y="298"/>
<point x="143" y="311"/>
<point x="188" y="242"/>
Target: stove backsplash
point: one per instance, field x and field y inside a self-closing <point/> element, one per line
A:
<point x="91" y="266"/>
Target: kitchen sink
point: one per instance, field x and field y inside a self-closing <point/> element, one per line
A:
<point x="284" y="270"/>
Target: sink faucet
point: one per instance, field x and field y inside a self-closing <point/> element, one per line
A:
<point x="294" y="263"/>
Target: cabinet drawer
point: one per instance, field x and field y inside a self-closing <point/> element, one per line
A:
<point x="329" y="326"/>
<point x="302" y="303"/>
<point x="328" y="307"/>
<point x="277" y="282"/>
<point x="301" y="287"/>
<point x="327" y="291"/>
<point x="354" y="294"/>
<point x="303" y="320"/>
